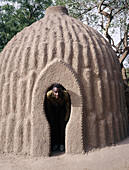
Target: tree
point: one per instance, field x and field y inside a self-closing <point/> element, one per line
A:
<point x="105" y="16"/>
<point x="118" y="11"/>
<point x="16" y="15"/>
<point x="82" y="9"/>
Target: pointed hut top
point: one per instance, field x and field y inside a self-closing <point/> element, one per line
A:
<point x="56" y="9"/>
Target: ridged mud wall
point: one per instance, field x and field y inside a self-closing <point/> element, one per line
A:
<point x="87" y="54"/>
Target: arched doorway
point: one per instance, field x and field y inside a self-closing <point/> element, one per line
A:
<point x="57" y="111"/>
<point x="56" y="71"/>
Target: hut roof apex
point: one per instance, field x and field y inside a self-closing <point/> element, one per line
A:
<point x="56" y="9"/>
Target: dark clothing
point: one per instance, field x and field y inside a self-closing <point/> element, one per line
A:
<point x="58" y="111"/>
<point x="62" y="101"/>
<point x="57" y="124"/>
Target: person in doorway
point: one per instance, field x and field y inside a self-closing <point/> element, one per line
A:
<point x="58" y="112"/>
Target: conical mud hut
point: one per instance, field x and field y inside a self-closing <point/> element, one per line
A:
<point x="60" y="49"/>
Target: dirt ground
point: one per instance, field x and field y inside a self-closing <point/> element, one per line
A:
<point x="109" y="158"/>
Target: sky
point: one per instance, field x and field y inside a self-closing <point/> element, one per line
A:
<point x="126" y="62"/>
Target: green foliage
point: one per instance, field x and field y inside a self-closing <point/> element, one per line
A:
<point x="127" y="72"/>
<point x="16" y="15"/>
<point x="127" y="75"/>
<point x="105" y="16"/>
<point x="80" y="9"/>
<point x="87" y="11"/>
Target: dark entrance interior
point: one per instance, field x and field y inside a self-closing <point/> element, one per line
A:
<point x="56" y="116"/>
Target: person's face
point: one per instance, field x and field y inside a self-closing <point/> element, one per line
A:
<point x="56" y="92"/>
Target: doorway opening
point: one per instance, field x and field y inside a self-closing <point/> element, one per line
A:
<point x="57" y="109"/>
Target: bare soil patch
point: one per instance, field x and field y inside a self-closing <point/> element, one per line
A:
<point x="108" y="158"/>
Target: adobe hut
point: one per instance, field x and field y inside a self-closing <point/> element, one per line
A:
<point x="60" y="49"/>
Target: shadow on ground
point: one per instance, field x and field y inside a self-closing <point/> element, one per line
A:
<point x="57" y="153"/>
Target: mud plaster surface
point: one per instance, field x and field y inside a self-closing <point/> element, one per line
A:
<point x="85" y="65"/>
<point x="109" y="158"/>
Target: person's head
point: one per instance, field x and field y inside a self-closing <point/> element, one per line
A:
<point x="57" y="91"/>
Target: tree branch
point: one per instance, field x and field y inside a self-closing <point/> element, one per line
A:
<point x="118" y="11"/>
<point x="125" y="53"/>
<point x="109" y="17"/>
